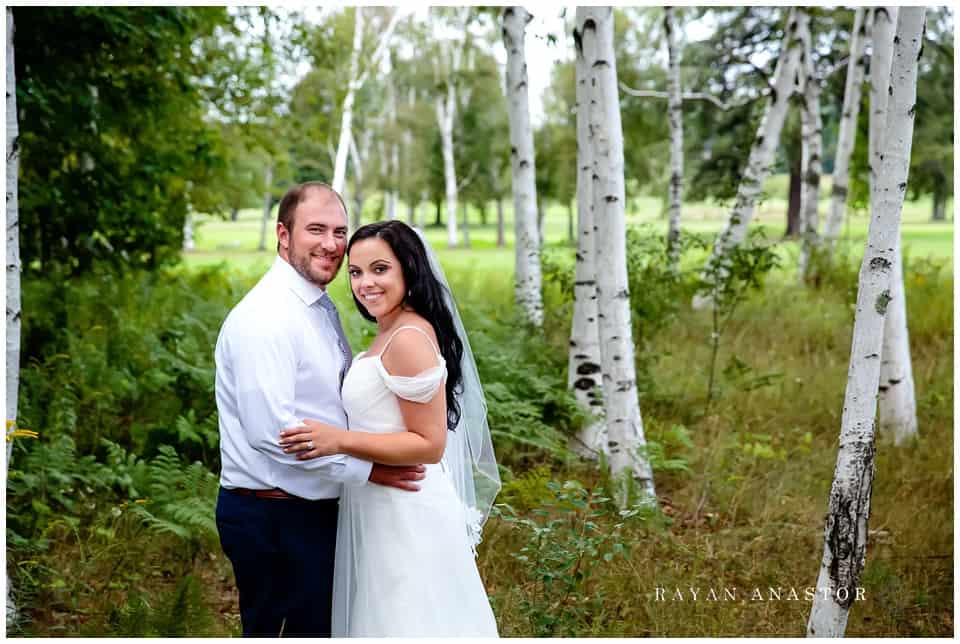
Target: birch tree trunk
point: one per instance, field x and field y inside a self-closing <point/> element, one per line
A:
<point x="881" y="40"/>
<point x="267" y="203"/>
<point x="845" y="534"/>
<point x="188" y="244"/>
<point x="13" y="273"/>
<point x="675" y="107"/>
<point x="584" y="370"/>
<point x="897" y="394"/>
<point x="346" y="115"/>
<point x="763" y="149"/>
<point x="811" y="155"/>
<point x="523" y="161"/>
<point x="628" y="460"/>
<point x="847" y="137"/>
<point x="445" y="106"/>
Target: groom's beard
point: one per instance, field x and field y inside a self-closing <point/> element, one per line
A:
<point x="303" y="264"/>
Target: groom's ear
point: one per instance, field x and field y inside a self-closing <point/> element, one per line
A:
<point x="283" y="237"/>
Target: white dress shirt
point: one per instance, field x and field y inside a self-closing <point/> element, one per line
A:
<point x="278" y="363"/>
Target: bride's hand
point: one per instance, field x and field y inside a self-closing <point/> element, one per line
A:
<point x="312" y="439"/>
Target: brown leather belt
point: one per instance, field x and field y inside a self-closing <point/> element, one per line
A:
<point x="275" y="493"/>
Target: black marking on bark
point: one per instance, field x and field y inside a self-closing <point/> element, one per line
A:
<point x="880" y="264"/>
<point x="848" y="548"/>
<point x="591" y="319"/>
<point x="617" y="358"/>
<point x="611" y="199"/>
<point x="524" y="164"/>
<point x="890" y="90"/>
<point x="902" y="186"/>
<point x="912" y="110"/>
<point x="872" y="356"/>
<point x="613" y="444"/>
<point x="601" y="63"/>
<point x="895" y="381"/>
<point x="896" y="40"/>
<point x="882" y="388"/>
<point x="584" y="384"/>
<point x="588" y="368"/>
<point x="839" y="191"/>
<point x="882" y="301"/>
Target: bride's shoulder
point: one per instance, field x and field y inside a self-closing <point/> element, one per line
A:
<point x="411" y="347"/>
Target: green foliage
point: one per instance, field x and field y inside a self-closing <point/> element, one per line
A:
<point x="181" y="613"/>
<point x="180" y="500"/>
<point x="530" y="410"/>
<point x="728" y="280"/>
<point x="111" y="130"/>
<point x="564" y="551"/>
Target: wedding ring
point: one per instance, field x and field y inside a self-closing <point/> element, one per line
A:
<point x="309" y="444"/>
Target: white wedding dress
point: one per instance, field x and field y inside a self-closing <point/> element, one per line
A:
<point x="404" y="565"/>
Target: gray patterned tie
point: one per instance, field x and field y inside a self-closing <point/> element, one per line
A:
<point x="327" y="305"/>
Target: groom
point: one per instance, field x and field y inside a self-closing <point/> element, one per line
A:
<point x="281" y="357"/>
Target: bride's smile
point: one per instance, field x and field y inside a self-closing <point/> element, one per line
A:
<point x="376" y="279"/>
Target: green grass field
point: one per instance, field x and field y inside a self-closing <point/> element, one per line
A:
<point x="236" y="243"/>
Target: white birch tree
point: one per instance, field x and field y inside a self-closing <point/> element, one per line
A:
<point x="628" y="461"/>
<point x="897" y="393"/>
<point x="357" y="79"/>
<point x="584" y="370"/>
<point x="845" y="533"/>
<point x="346" y="113"/>
<point x="675" y="113"/>
<point x="811" y="156"/>
<point x="764" y="146"/>
<point x="13" y="273"/>
<point x="897" y="396"/>
<point x="446" y="65"/>
<point x="847" y="136"/>
<point x="528" y="291"/>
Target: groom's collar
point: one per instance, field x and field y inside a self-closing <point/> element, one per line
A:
<point x="307" y="291"/>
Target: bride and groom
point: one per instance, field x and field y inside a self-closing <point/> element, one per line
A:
<point x="367" y="532"/>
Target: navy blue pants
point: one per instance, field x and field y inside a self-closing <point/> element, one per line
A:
<point x="282" y="552"/>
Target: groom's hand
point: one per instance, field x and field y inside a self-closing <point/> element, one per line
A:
<point x="399" y="476"/>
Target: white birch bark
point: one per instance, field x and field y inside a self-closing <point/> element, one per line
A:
<point x="584" y="370"/>
<point x="407" y="161"/>
<point x="188" y="244"/>
<point x="346" y="114"/>
<point x="528" y="292"/>
<point x="267" y="203"/>
<point x="675" y="112"/>
<point x="763" y="149"/>
<point x="897" y="409"/>
<point x="811" y="154"/>
<point x="845" y="533"/>
<point x="881" y="41"/>
<point x="445" y="105"/>
<point x="625" y="437"/>
<point x="12" y="275"/>
<point x="847" y="136"/>
<point x="897" y="394"/>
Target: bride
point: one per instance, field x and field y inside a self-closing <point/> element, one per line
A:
<point x="405" y="561"/>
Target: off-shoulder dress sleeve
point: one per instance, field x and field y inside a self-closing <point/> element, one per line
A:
<point x="420" y="388"/>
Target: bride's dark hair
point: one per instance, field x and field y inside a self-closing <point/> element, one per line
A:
<point x="425" y="295"/>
